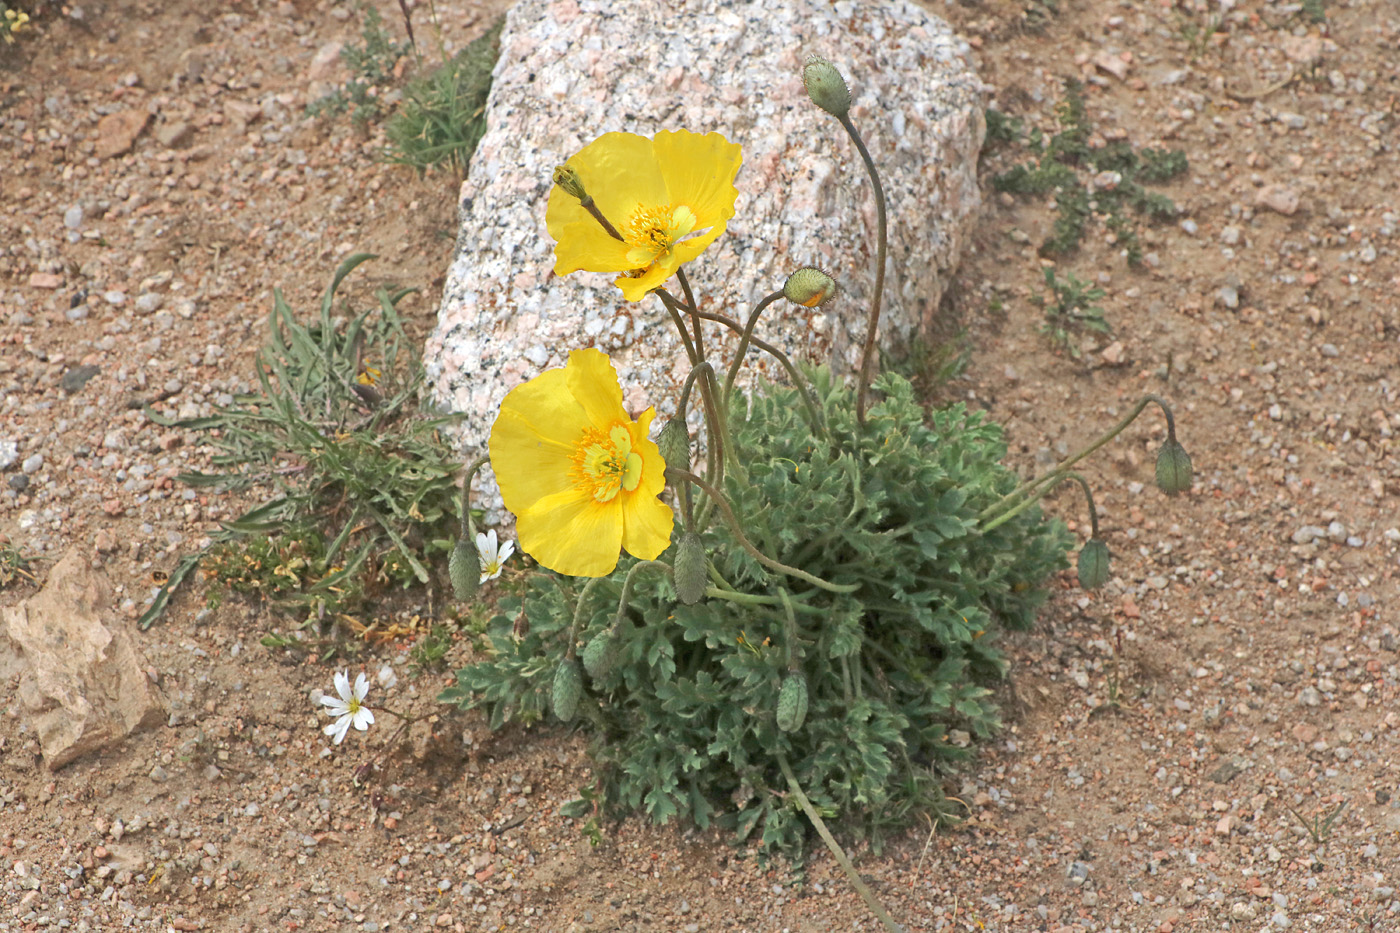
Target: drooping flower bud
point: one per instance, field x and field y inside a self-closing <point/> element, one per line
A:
<point x="792" y="702"/>
<point x="692" y="570"/>
<point x="1093" y="564"/>
<point x="464" y="570"/>
<point x="568" y="688"/>
<point x="600" y="656"/>
<point x="1173" y="468"/>
<point x="809" y="287"/>
<point x="568" y="179"/>
<point x="826" y="87"/>
<point x="674" y="442"/>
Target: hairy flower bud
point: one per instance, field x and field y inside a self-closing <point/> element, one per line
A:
<point x="600" y="655"/>
<point x="568" y="179"/>
<point x="826" y="87"/>
<point x="464" y="570"/>
<point x="792" y="703"/>
<point x="568" y="688"/>
<point x="674" y="442"/>
<point x="809" y="287"/>
<point x="1173" y="468"/>
<point x="1093" y="564"/>
<point x="692" y="570"/>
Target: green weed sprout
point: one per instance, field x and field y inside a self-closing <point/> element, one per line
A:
<point x="360" y="488"/>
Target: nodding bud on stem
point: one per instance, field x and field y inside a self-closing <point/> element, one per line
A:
<point x="1173" y="468"/>
<point x="568" y="179"/>
<point x="809" y="287"/>
<point x="464" y="570"/>
<point x="692" y="569"/>
<point x="826" y="87"/>
<point x="674" y="442"/>
<point x="1093" y="564"/>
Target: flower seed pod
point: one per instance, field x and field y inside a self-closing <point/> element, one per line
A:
<point x="674" y="442"/>
<point x="809" y="287"/>
<point x="1173" y="468"/>
<point x="826" y="87"/>
<point x="600" y="656"/>
<point x="692" y="570"/>
<point x="792" y="703"/>
<point x="568" y="688"/>
<point x="464" y="570"/>
<point x="1093" y="564"/>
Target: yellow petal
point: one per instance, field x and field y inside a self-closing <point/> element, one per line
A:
<point x="593" y="384"/>
<point x="572" y="534"/>
<point x="646" y="525"/>
<point x="699" y="172"/>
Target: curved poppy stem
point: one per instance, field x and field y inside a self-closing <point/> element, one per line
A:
<point x="744" y="339"/>
<point x="709" y="387"/>
<point x="872" y="326"/>
<point x="468" y="526"/>
<point x="814" y="415"/>
<point x="777" y="566"/>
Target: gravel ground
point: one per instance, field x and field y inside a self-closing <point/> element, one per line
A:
<point x="1175" y="742"/>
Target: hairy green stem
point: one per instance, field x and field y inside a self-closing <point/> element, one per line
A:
<point x="744" y="341"/>
<point x="468" y="526"/>
<point x="777" y="566"/>
<point x="872" y="326"/>
<point x="577" y="625"/>
<point x="627" y="587"/>
<point x="1021" y="498"/>
<point x="837" y="852"/>
<point x="814" y="415"/>
<point x="714" y="418"/>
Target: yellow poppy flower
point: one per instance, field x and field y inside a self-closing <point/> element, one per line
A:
<point x="669" y="197"/>
<point x="580" y="475"/>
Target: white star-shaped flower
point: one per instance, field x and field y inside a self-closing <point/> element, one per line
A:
<point x="491" y="558"/>
<point x="348" y="708"/>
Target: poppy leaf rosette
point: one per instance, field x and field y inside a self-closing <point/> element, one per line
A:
<point x="581" y="477"/>
<point x="669" y="197"/>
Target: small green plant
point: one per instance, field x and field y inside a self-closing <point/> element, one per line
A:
<point x="442" y="116"/>
<point x="1199" y="34"/>
<point x="1315" y="10"/>
<point x="13" y="22"/>
<point x="372" y="70"/>
<point x="362" y="487"/>
<point x="1069" y="309"/>
<point x="1115" y="174"/>
<point x="1319" y="828"/>
<point x="427" y="655"/>
<point x="14" y="566"/>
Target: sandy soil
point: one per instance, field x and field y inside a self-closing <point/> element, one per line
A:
<point x="1175" y="741"/>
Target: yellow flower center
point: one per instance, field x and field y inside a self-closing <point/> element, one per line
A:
<point x="352" y="705"/>
<point x="652" y="231"/>
<point x="604" y="463"/>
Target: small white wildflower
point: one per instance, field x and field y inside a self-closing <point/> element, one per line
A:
<point x="348" y="708"/>
<point x="491" y="558"/>
<point x="386" y="677"/>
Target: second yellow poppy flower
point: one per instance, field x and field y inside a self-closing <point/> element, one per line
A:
<point x="669" y="197"/>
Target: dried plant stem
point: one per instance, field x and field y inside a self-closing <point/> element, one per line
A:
<point x="837" y="852"/>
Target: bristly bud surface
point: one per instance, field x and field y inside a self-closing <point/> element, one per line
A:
<point x="568" y="688"/>
<point x="568" y="179"/>
<point x="1173" y="468"/>
<point x="692" y="569"/>
<point x="809" y="287"/>
<point x="1093" y="564"/>
<point x="674" y="443"/>
<point x="464" y="569"/>
<point x="826" y="87"/>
